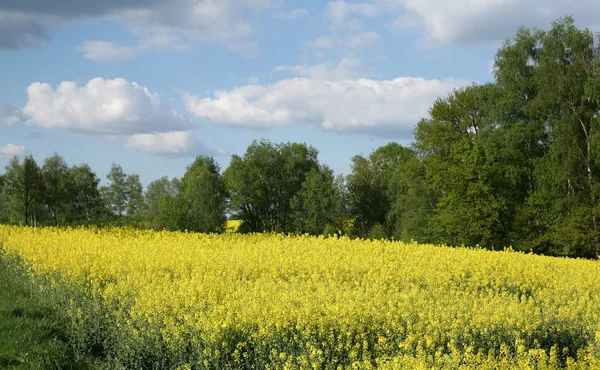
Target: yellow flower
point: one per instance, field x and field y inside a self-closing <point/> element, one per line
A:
<point x="275" y="301"/>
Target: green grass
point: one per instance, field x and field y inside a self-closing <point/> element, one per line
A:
<point x="30" y="334"/>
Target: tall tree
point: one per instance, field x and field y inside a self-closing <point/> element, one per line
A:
<point x="413" y="202"/>
<point x="86" y="204"/>
<point x="263" y="183"/>
<point x="369" y="186"/>
<point x="161" y="200"/>
<point x="135" y="198"/>
<point x="203" y="197"/>
<point x="116" y="191"/>
<point x="57" y="182"/>
<point x="553" y="78"/>
<point x="317" y="206"/>
<point x="4" y="201"/>
<point x="451" y="143"/>
<point x="24" y="182"/>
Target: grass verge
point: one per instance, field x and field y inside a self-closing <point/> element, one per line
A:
<point x="30" y="333"/>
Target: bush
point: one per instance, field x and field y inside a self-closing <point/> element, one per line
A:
<point x="377" y="232"/>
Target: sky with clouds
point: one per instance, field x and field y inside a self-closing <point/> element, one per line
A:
<point x="150" y="84"/>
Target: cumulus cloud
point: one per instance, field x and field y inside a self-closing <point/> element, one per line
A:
<point x="11" y="150"/>
<point x="379" y="107"/>
<point x="175" y="143"/>
<point x="108" y="107"/>
<point x="467" y="21"/>
<point x="27" y="23"/>
<point x="292" y="14"/>
<point x="10" y="114"/>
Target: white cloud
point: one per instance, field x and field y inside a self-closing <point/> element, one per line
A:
<point x="471" y="21"/>
<point x="348" y="68"/>
<point x="101" y="51"/>
<point x="108" y="107"/>
<point x="175" y="143"/>
<point x="380" y="107"/>
<point x="10" y="114"/>
<point x="11" y="150"/>
<point x="27" y="23"/>
<point x="292" y="14"/>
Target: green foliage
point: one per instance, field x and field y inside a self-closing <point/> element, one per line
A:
<point x="23" y="180"/>
<point x="115" y="193"/>
<point x="263" y="183"/>
<point x="413" y="202"/>
<point x="202" y="196"/>
<point x="563" y="80"/>
<point x="4" y="201"/>
<point x="514" y="162"/>
<point x="161" y="202"/>
<point x="377" y="232"/>
<point x="135" y="198"/>
<point x="123" y="197"/>
<point x="317" y="204"/>
<point x="56" y="181"/>
<point x="86" y="205"/>
<point x="369" y="195"/>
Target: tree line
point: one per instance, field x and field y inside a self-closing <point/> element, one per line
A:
<point x="508" y="163"/>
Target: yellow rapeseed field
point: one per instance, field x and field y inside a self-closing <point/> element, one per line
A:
<point x="150" y="299"/>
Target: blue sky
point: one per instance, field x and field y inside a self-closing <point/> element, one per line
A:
<point x="150" y="84"/>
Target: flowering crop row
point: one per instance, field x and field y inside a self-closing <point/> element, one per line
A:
<point x="148" y="299"/>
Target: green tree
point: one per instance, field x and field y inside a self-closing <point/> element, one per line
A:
<point x="469" y="207"/>
<point x="317" y="206"/>
<point x="171" y="212"/>
<point x="135" y="198"/>
<point x="115" y="194"/>
<point x="413" y="201"/>
<point x="203" y="197"/>
<point x="162" y="199"/>
<point x="4" y="201"/>
<point x="263" y="183"/>
<point x="86" y="204"/>
<point x="553" y="80"/>
<point x="57" y="184"/>
<point x="25" y="186"/>
<point x="369" y="187"/>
